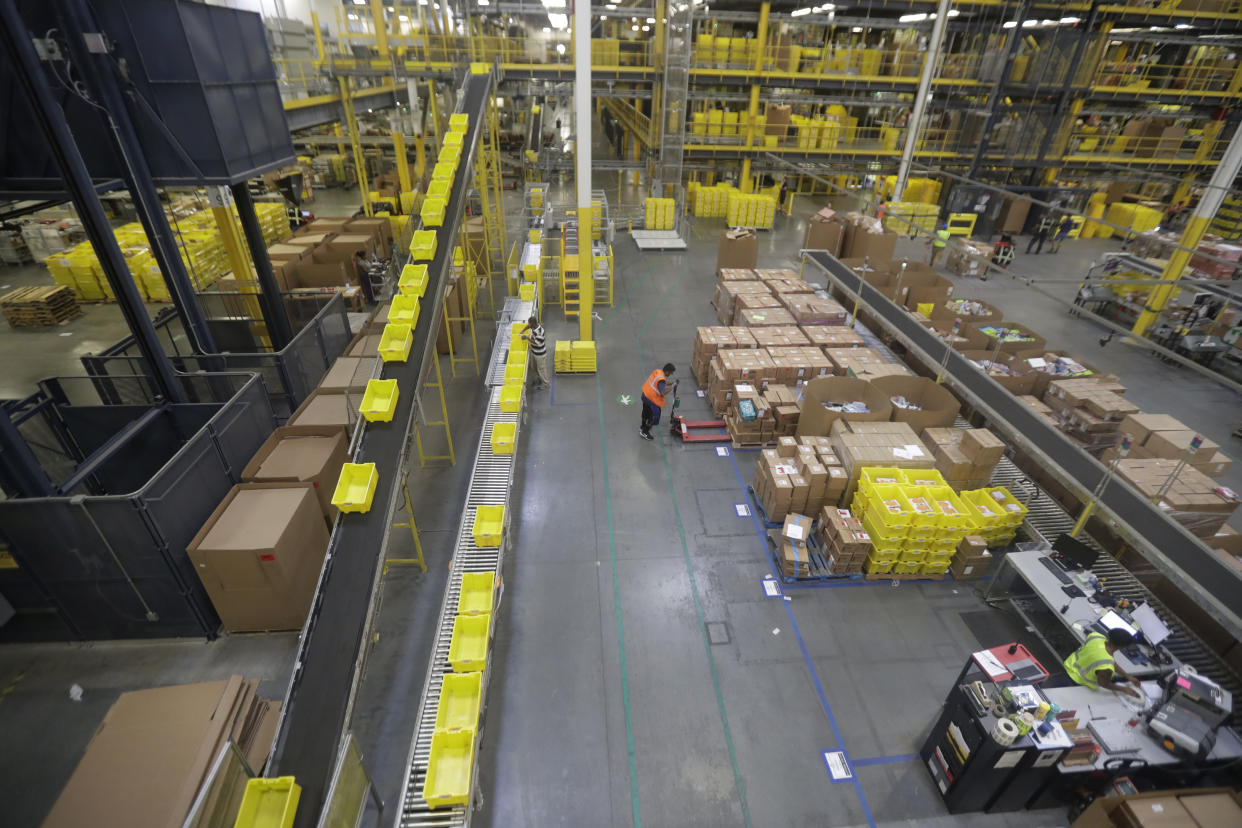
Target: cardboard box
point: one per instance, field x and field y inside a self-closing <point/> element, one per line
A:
<point x="824" y="231"/>
<point x="349" y="374"/>
<point x="964" y="569"/>
<point x="1138" y="427"/>
<point x="797" y="528"/>
<point x="936" y="405"/>
<point x="1156" y="812"/>
<point x="302" y="454"/>
<point x="1010" y="373"/>
<point x="1106" y="811"/>
<point x="982" y="446"/>
<point x="1031" y="340"/>
<point x="1214" y="810"/>
<point x="738" y="248"/>
<point x="817" y="419"/>
<point x="259" y="555"/>
<point x="324" y="408"/>
<point x="306" y="274"/>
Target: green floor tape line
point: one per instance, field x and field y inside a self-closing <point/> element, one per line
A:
<point x="616" y="600"/>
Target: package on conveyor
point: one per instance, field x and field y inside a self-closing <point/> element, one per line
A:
<point x="795" y="555"/>
<point x="847" y="360"/>
<point x="971" y="559"/>
<point x="965" y="457"/>
<point x="1007" y="370"/>
<point x="739" y="247"/>
<point x="1048" y="366"/>
<point x="919" y="401"/>
<point x="764" y="317"/>
<point x="844" y="541"/>
<point x="709" y="340"/>
<point x="832" y="336"/>
<point x="1088" y="413"/>
<point x="731" y="366"/>
<point x="966" y="257"/>
<point x="724" y="299"/>
<point x="964" y="338"/>
<point x="753" y="301"/>
<point x="809" y="309"/>
<point x="799" y="363"/>
<point x="778" y="336"/>
<point x="1165" y="437"/>
<point x="1192" y="499"/>
<point x="1041" y="410"/>
<point x="865" y="236"/>
<point x="824" y="231"/>
<point x="736" y="274"/>
<point x="749" y="418"/>
<point x="1010" y="337"/>
<point x="860" y="445"/>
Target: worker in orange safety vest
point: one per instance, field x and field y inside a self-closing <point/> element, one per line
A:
<point x="654" y="390"/>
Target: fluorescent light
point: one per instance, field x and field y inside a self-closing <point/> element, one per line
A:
<point x="560" y="48"/>
<point x="485" y="2"/>
<point x="1009" y="24"/>
<point x="546" y="29"/>
<point x="857" y="30"/>
<point x="558" y="21"/>
<point x="1066" y="21"/>
<point x="610" y="5"/>
<point x="799" y="12"/>
<point x="650" y="19"/>
<point x="634" y="28"/>
<point x="912" y="18"/>
<point x="1183" y="26"/>
<point x="646" y="28"/>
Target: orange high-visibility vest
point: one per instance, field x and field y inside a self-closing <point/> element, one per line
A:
<point x="651" y="388"/>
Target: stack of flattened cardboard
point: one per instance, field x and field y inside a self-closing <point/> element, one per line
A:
<point x="845" y="542"/>
<point x="708" y="340"/>
<point x="770" y="274"/>
<point x="971" y="559"/>
<point x="153" y="751"/>
<point x="1162" y="436"/>
<point x="1192" y="498"/>
<point x="1089" y="412"/>
<point x="889" y="445"/>
<point x="965" y="457"/>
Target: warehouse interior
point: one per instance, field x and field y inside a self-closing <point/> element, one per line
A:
<point x="323" y="502"/>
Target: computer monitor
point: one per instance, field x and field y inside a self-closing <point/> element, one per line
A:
<point x="1074" y="551"/>
<point x="1112" y="621"/>
<point x="1154" y="630"/>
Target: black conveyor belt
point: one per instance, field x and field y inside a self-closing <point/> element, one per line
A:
<point x="314" y="714"/>
<point x="1207" y="573"/>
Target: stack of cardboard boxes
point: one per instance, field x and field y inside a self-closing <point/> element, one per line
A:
<point x="808" y="309"/>
<point x="832" y="336"/>
<point x="1089" y="411"/>
<point x="795" y="554"/>
<point x="824" y="231"/>
<point x="1191" y="498"/>
<point x="860" y="445"/>
<point x="972" y="559"/>
<point x="1164" y="437"/>
<point x="965" y="457"/>
<point x="750" y="419"/>
<point x="844" y="541"/>
<point x="725" y="298"/>
<point x="800" y="476"/>
<point x="707" y="341"/>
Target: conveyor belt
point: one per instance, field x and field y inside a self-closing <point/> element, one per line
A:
<point x="515" y="310"/>
<point x="490" y="483"/>
<point x="1187" y="562"/>
<point x="331" y="652"/>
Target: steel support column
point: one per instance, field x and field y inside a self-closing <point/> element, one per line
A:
<point x="582" y="152"/>
<point x="99" y="72"/>
<point x="915" y="123"/>
<point x="19" y="468"/>
<point x="19" y="44"/>
<point x="994" y="96"/>
<point x="275" y="315"/>
<point x="1059" y="109"/>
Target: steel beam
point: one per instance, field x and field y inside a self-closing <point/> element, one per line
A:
<point x="275" y="314"/>
<point x="1011" y="45"/>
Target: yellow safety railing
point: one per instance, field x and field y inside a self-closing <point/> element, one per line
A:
<point x="1207" y="74"/>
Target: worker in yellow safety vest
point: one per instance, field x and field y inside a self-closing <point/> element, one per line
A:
<point x="654" y="390"/>
<point x="938" y="242"/>
<point x="1092" y="665"/>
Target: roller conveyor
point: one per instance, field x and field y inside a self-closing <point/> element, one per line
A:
<point x="1184" y="559"/>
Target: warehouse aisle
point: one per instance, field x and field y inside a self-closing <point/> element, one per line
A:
<point x="640" y="674"/>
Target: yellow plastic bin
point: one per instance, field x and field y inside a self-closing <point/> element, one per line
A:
<point x="478" y="591"/>
<point x="423" y="245"/>
<point x="444" y="171"/>
<point x="526" y="293"/>
<point x="432" y="212"/>
<point x="459" y="702"/>
<point x="395" y="342"/>
<point x="515" y="374"/>
<point x="413" y="281"/>
<point x="458" y="121"/>
<point x="451" y="153"/>
<point x="453" y="139"/>
<point x="503" y="437"/>
<point x="489" y="525"/>
<point x="439" y="188"/>
<point x="468" y="646"/>
<point x="450" y="767"/>
<point x="404" y="310"/>
<point x="379" y="401"/>
<point x="511" y="399"/>
<point x="355" y="488"/>
<point x="269" y="803"/>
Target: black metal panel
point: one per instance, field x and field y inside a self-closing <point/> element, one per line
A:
<point x="1215" y="577"/>
<point x="315" y="711"/>
<point x="202" y="94"/>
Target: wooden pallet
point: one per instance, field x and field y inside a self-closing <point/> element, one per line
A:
<point x="35" y="307"/>
<point x="904" y="576"/>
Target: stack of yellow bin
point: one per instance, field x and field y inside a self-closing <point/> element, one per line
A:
<point x="750" y="210"/>
<point x="574" y="357"/>
<point x="995" y="514"/>
<point x="660" y="213"/>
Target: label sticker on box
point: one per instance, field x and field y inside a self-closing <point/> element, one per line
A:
<point x="794" y="531"/>
<point x="722" y="451"/>
<point x="742" y="509"/>
<point x="838" y="766"/>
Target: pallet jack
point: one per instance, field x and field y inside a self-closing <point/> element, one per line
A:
<point x="681" y="428"/>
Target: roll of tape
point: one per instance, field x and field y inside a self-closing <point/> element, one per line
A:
<point x="1005" y="732"/>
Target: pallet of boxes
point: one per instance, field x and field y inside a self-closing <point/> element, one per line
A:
<point x="798" y="479"/>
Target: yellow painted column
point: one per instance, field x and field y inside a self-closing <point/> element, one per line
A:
<point x="420" y="158"/>
<point x="1160" y="296"/>
<point x="637" y="154"/>
<point x="743" y="182"/>
<point x="434" y="105"/>
<point x="752" y="115"/>
<point x="1060" y="145"/>
<point x="381" y="27"/>
<point x="586" y="274"/>
<point x="318" y="36"/>
<point x="351" y="125"/>
<point x="239" y="263"/>
<point x="340" y="145"/>
<point x="761" y="36"/>
<point x="403" y="163"/>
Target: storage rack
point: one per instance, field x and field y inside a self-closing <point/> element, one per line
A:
<point x="490" y="483"/>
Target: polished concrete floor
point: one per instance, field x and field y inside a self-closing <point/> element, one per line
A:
<point x="640" y="675"/>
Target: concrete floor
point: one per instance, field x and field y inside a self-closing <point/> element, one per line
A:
<point x="640" y="673"/>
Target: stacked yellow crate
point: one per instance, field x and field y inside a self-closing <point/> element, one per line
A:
<point x="750" y="210"/>
<point x="914" y="518"/>
<point x="660" y="213"/>
<point x="995" y="514"/>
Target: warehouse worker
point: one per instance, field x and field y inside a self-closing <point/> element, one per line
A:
<point x="1092" y="664"/>
<point x="1041" y="233"/>
<point x="1066" y="227"/>
<point x="654" y="390"/>
<point x="938" y="242"/>
<point x="534" y="334"/>
<point x="363" y="267"/>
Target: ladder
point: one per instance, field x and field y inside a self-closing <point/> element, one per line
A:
<point x="571" y="271"/>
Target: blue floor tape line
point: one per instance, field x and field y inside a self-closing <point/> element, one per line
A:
<point x="806" y="656"/>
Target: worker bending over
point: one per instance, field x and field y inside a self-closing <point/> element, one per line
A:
<point x="1092" y="664"/>
<point x="654" y="390"/>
